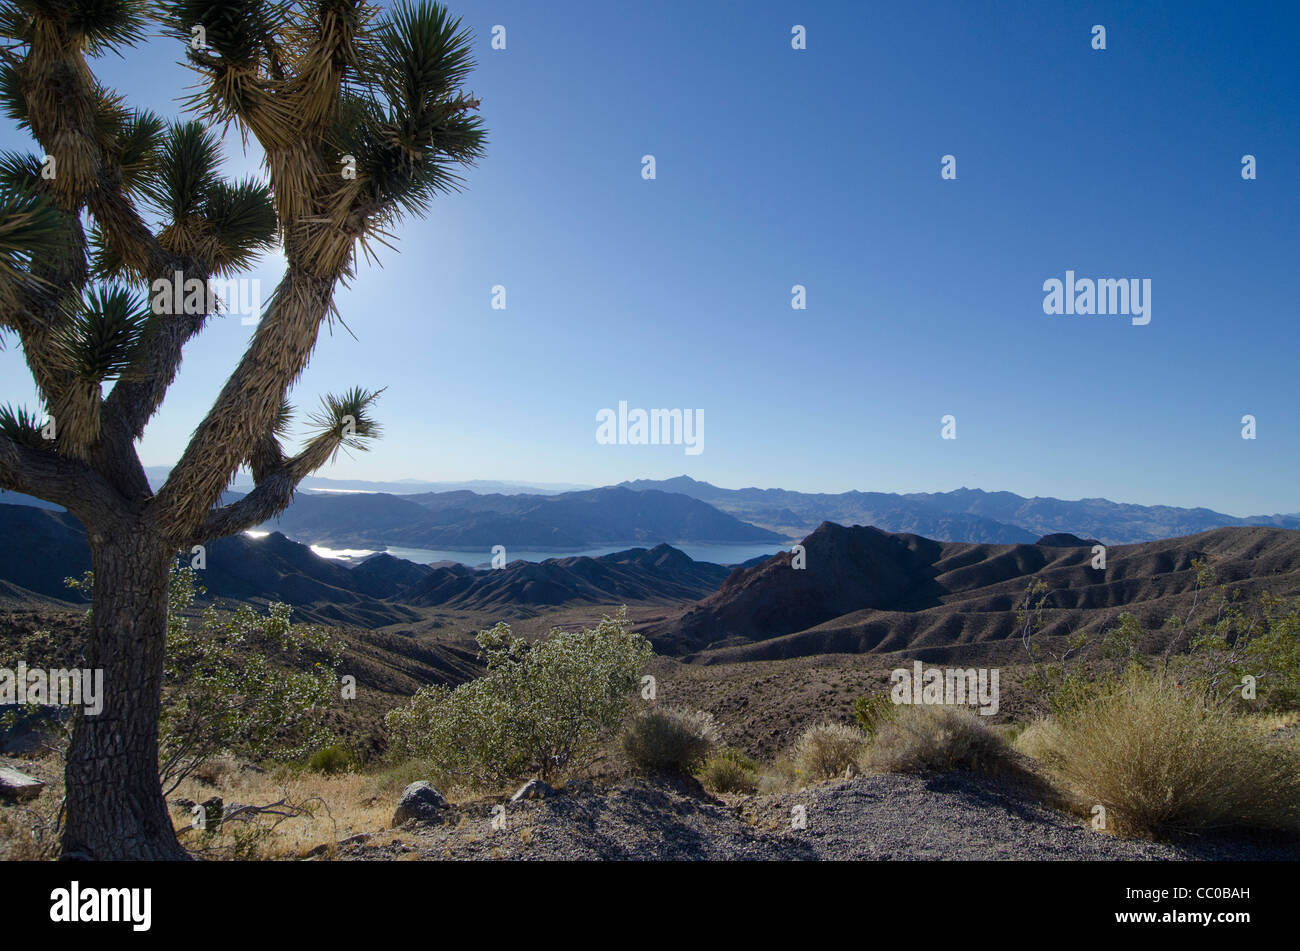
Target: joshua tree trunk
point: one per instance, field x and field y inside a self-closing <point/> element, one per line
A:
<point x="115" y="807"/>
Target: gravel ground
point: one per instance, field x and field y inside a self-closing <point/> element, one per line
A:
<point x="885" y="817"/>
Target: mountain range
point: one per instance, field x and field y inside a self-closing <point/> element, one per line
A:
<point x="859" y="590"/>
<point x="963" y="515"/>
<point x="467" y="520"/>
<point x="685" y="510"/>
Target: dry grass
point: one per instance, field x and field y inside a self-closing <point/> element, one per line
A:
<point x="931" y="738"/>
<point x="779" y="777"/>
<point x="668" y="741"/>
<point x="29" y="831"/>
<point x="335" y="806"/>
<point x="1272" y="722"/>
<point x="1040" y="740"/>
<point x="1161" y="765"/>
<point x="826" y="751"/>
<point x="329" y="808"/>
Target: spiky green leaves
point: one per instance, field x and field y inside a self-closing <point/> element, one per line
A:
<point x="283" y="421"/>
<point x="186" y="170"/>
<point x="424" y="55"/>
<point x="22" y="426"/>
<point x="98" y="339"/>
<point x="410" y="126"/>
<point x="135" y="149"/>
<point x="243" y="217"/>
<point x="225" y="224"/>
<point x="100" y="25"/>
<point x="345" y="420"/>
<point x="30" y="229"/>
<point x="20" y="173"/>
<point x="105" y="260"/>
<point x="12" y="100"/>
<point x="241" y="32"/>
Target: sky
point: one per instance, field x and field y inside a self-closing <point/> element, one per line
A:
<point x="821" y="167"/>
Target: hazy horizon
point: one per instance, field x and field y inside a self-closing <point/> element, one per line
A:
<point x="580" y="487"/>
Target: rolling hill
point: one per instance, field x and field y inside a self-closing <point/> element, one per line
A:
<point x="652" y="575"/>
<point x="864" y="590"/>
<point x="46" y="547"/>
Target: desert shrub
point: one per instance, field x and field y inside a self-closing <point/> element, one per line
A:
<point x="729" y="770"/>
<point x="396" y="773"/>
<point x="872" y="711"/>
<point x="240" y="684"/>
<point x="331" y="759"/>
<point x="1233" y="650"/>
<point x="779" y="777"/>
<point x="827" y="750"/>
<point x="214" y="771"/>
<point x="1160" y="762"/>
<point x="1238" y="638"/>
<point x="1080" y="669"/>
<point x="739" y="757"/>
<point x="668" y="741"/>
<point x="934" y="738"/>
<point x="541" y="707"/>
<point x="247" y="684"/>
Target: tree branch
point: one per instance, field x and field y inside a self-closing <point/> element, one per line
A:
<point x="59" y="479"/>
<point x="247" y="406"/>
<point x="137" y="395"/>
<point x="276" y="484"/>
<point x="97" y="185"/>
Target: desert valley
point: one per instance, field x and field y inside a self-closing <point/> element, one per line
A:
<point x="769" y="649"/>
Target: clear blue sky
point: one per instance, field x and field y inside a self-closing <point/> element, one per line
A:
<point x="821" y="167"/>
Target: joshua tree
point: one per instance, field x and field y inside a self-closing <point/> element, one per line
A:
<point x="361" y="119"/>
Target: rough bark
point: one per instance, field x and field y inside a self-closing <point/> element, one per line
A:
<point x="115" y="807"/>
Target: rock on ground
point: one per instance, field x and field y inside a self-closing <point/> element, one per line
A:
<point x="18" y="787"/>
<point x="419" y="801"/>
<point x="533" y="789"/>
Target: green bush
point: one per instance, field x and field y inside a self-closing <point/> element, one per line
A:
<point x="330" y="760"/>
<point x="242" y="684"/>
<point x="729" y="770"/>
<point x="872" y="711"/>
<point x="668" y="741"/>
<point x="1081" y="668"/>
<point x="541" y="707"/>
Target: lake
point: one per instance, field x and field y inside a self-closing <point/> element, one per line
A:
<point x="729" y="554"/>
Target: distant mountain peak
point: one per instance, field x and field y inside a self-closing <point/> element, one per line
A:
<point x="1066" y="540"/>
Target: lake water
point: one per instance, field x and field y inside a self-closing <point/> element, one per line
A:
<point x="718" y="554"/>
